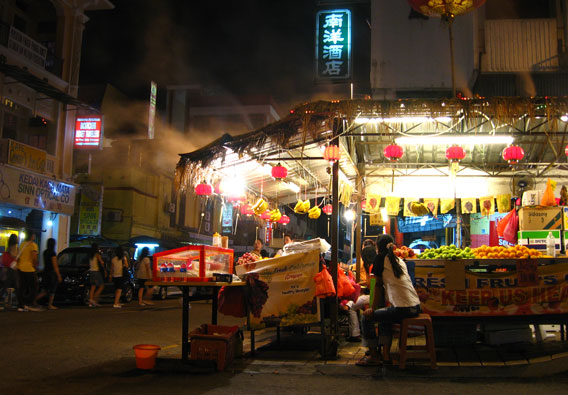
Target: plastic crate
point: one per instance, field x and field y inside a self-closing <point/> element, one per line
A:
<point x="214" y="343"/>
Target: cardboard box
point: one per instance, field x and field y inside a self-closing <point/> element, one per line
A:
<point x="537" y="239"/>
<point x="540" y="218"/>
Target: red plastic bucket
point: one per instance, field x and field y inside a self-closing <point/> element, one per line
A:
<point x="146" y="355"/>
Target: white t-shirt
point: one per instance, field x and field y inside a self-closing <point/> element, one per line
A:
<point x="116" y="267"/>
<point x="400" y="291"/>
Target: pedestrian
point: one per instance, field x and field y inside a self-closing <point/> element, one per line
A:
<point x="392" y="279"/>
<point x="97" y="275"/>
<point x="51" y="274"/>
<point x="9" y="275"/>
<point x="144" y="274"/>
<point x="118" y="266"/>
<point x="27" y="277"/>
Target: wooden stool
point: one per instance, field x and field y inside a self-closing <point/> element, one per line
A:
<point x="426" y="352"/>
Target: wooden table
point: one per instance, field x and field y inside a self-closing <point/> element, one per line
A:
<point x="184" y="286"/>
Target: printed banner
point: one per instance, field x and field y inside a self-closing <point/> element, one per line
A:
<point x="407" y="207"/>
<point x="373" y="205"/>
<point x="432" y="205"/>
<point x="291" y="289"/>
<point x="487" y="205"/>
<point x="529" y="290"/>
<point x="90" y="210"/>
<point x="393" y="205"/>
<point x="376" y="220"/>
<point x="468" y="206"/>
<point x="504" y="203"/>
<point x="447" y="205"/>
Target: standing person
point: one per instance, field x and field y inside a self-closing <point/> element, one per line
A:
<point x="393" y="280"/>
<point x="96" y="275"/>
<point x="51" y="274"/>
<point x="9" y="272"/>
<point x="27" y="278"/>
<point x="287" y="240"/>
<point x="118" y="264"/>
<point x="144" y="274"/>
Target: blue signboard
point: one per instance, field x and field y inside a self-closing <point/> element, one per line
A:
<point x="333" y="44"/>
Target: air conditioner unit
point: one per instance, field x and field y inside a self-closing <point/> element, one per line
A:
<point x="170" y="208"/>
<point x="114" y="216"/>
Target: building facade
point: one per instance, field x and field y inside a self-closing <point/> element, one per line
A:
<point x="40" y="50"/>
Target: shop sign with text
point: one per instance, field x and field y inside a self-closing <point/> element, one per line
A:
<point x="333" y="44"/>
<point x="31" y="190"/>
<point x="88" y="132"/>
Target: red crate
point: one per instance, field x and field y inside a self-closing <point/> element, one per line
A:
<point x="214" y="342"/>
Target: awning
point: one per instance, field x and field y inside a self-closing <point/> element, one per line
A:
<point x="41" y="86"/>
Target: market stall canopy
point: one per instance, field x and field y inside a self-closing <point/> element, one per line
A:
<point x="424" y="128"/>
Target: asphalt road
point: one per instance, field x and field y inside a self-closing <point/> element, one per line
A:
<point x="78" y="350"/>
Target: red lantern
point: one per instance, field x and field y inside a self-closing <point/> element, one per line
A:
<point x="363" y="204"/>
<point x="328" y="209"/>
<point x="236" y="199"/>
<point x="246" y="209"/>
<point x="203" y="190"/>
<point x="566" y="150"/>
<point x="265" y="215"/>
<point x="444" y="7"/>
<point x="332" y="153"/>
<point x="279" y="172"/>
<point x="513" y="154"/>
<point x="393" y="152"/>
<point x="284" y="220"/>
<point x="455" y="153"/>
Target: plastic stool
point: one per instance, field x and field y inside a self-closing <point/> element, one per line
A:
<point x="426" y="352"/>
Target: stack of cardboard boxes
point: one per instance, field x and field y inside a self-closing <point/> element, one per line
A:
<point x="535" y="223"/>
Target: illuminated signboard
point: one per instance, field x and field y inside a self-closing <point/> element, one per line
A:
<point x="333" y="44"/>
<point x="88" y="132"/>
<point x="152" y="110"/>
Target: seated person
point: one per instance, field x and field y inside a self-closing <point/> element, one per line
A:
<point x="392" y="281"/>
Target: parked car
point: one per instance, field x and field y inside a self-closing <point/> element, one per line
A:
<point x="73" y="265"/>
<point x="422" y="245"/>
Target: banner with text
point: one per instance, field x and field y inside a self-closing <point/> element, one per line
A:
<point x="529" y="290"/>
<point x="291" y="289"/>
<point x="31" y="190"/>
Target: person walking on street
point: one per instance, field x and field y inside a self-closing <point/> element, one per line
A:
<point x="9" y="275"/>
<point x="27" y="278"/>
<point x="118" y="265"/>
<point x="51" y="274"/>
<point x="144" y="274"/>
<point x="96" y="275"/>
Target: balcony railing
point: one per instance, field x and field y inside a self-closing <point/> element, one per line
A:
<point x="40" y="54"/>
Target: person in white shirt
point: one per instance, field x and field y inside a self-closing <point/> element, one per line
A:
<point x="393" y="284"/>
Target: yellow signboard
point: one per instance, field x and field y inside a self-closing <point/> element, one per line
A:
<point x="26" y="156"/>
<point x="89" y="214"/>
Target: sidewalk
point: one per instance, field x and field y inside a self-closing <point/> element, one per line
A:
<point x="299" y="354"/>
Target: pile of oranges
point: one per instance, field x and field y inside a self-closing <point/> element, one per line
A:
<point x="500" y="252"/>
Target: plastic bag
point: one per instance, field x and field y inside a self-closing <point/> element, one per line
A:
<point x="344" y="287"/>
<point x="324" y="284"/>
<point x="232" y="301"/>
<point x="510" y="233"/>
<point x="502" y="224"/>
<point x="548" y="195"/>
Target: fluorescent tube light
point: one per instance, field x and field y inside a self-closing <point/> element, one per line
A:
<point x="402" y="120"/>
<point x="452" y="139"/>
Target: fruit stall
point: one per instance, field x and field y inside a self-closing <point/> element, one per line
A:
<point x="448" y="164"/>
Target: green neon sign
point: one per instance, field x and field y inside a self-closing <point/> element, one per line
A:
<point x="333" y="44"/>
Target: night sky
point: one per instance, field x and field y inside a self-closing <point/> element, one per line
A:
<point x="241" y="47"/>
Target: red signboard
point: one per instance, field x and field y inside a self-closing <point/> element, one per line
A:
<point x="88" y="132"/>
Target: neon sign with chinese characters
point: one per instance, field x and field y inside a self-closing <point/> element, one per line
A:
<point x="333" y="44"/>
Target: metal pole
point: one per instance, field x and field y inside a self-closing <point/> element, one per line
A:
<point x="358" y="221"/>
<point x="334" y="229"/>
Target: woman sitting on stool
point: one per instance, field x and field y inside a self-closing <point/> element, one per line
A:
<point x="391" y="277"/>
